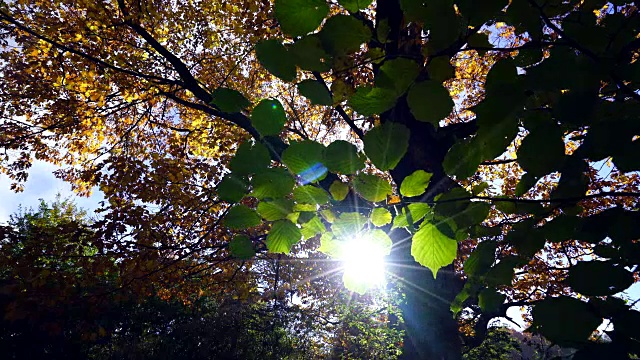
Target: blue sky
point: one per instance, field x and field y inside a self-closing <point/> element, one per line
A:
<point x="42" y="184"/>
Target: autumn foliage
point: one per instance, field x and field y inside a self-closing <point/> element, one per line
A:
<point x="489" y="147"/>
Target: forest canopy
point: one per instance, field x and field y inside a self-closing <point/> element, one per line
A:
<point x="487" y="150"/>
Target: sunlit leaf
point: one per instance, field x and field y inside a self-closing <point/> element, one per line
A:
<point x="282" y="236"/>
<point x="272" y="183"/>
<point x="275" y="210"/>
<point x="415" y="184"/>
<point x="305" y="158"/>
<point x="309" y="194"/>
<point x="380" y="216"/>
<point x="371" y="187"/>
<point x="431" y="248"/>
<point x="348" y="225"/>
<point x="339" y="190"/>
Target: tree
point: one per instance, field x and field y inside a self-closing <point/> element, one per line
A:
<point x="60" y="303"/>
<point x="526" y="184"/>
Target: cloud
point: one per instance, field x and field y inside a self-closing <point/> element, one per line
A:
<point x="42" y="184"/>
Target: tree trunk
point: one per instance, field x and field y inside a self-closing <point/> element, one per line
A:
<point x="431" y="332"/>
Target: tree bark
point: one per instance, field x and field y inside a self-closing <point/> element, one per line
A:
<point x="431" y="332"/>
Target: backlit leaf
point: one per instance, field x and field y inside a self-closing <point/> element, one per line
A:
<point x="385" y="145"/>
<point x="229" y="100"/>
<point x="339" y="190"/>
<point x="380" y="216"/>
<point x="309" y="194"/>
<point x="305" y="159"/>
<point x="282" y="236"/>
<point x="268" y="117"/>
<point x="241" y="217"/>
<point x="415" y="184"/>
<point x="431" y="248"/>
<point x="275" y="58"/>
<point x="342" y="157"/>
<point x="241" y="247"/>
<point x="315" y="91"/>
<point x="299" y="17"/>
<point x="371" y="187"/>
<point x="275" y="210"/>
<point x="429" y="101"/>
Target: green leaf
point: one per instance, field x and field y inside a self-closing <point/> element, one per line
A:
<point x="542" y="151"/>
<point x="599" y="278"/>
<point x="397" y="75"/>
<point x="415" y="184"/>
<point x="339" y="190"/>
<point x="329" y="245"/>
<point x="414" y="10"/>
<point x="241" y="217"/>
<point x="275" y="210"/>
<point x="354" y="5"/>
<point x="380" y="216"/>
<point x="342" y="157"/>
<point x="249" y="159"/>
<point x="480" y="259"/>
<point x="433" y="249"/>
<point x="490" y="300"/>
<point x="229" y="100"/>
<point x="299" y="17"/>
<point x="241" y="247"/>
<point x="268" y="117"/>
<point x="502" y="272"/>
<point x="474" y="214"/>
<point x="282" y="236"/>
<point x="353" y="283"/>
<point x="309" y="55"/>
<point x="304" y="207"/>
<point x="305" y="158"/>
<point x="380" y="240"/>
<point x="430" y="102"/>
<point x="343" y="34"/>
<point x="272" y="183"/>
<point x="479" y="188"/>
<point x="463" y="159"/>
<point x="232" y="188"/>
<point x="527" y="181"/>
<point x="315" y="91"/>
<point x="310" y="194"/>
<point x="385" y="145"/>
<point x="440" y="69"/>
<point x="312" y="228"/>
<point x="348" y="225"/>
<point x="564" y="320"/>
<point x="369" y="100"/>
<point x="417" y="211"/>
<point x="275" y="58"/>
<point x="371" y="187"/>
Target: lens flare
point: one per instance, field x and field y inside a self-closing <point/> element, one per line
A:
<point x="363" y="262"/>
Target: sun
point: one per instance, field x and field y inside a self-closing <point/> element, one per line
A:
<point x="364" y="262"/>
